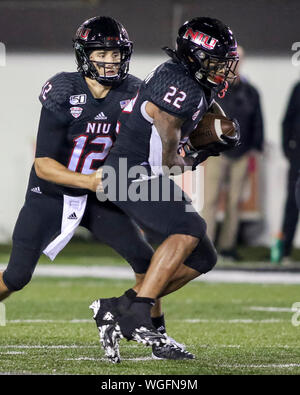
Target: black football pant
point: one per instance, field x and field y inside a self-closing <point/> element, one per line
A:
<point x="163" y="209"/>
<point x="39" y="223"/>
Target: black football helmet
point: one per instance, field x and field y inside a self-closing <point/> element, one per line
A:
<point x="106" y="33"/>
<point x="208" y="50"/>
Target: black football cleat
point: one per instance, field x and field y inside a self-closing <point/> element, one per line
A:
<point x="110" y="335"/>
<point x="170" y="351"/>
<point x="148" y="336"/>
<point x="105" y="313"/>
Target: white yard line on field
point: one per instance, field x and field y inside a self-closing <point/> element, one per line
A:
<point x="120" y="272"/>
<point x="273" y="309"/>
<point x="12" y="353"/>
<point x="188" y="320"/>
<point x="33" y="346"/>
<point x="264" y="366"/>
<point x="41" y="321"/>
<point x="133" y="345"/>
<point x="106" y="360"/>
<point x="233" y="321"/>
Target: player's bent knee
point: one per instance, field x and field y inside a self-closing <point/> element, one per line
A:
<point x="16" y="281"/>
<point x="20" y="267"/>
<point x="4" y="291"/>
<point x="211" y="262"/>
<point x="204" y="257"/>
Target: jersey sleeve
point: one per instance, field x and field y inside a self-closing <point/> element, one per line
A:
<point x="51" y="134"/>
<point x="175" y="93"/>
<point x="55" y="93"/>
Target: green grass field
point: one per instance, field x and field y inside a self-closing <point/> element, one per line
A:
<point x="81" y="252"/>
<point x="50" y="330"/>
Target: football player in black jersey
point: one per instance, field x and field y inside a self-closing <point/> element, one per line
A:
<point x="170" y="103"/>
<point x="76" y="131"/>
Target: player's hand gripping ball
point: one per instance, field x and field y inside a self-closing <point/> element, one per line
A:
<point x="213" y="135"/>
<point x="215" y="128"/>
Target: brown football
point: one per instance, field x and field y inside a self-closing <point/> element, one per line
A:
<point x="210" y="129"/>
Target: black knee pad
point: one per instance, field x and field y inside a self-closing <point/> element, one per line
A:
<point x="20" y="268"/>
<point x="204" y="257"/>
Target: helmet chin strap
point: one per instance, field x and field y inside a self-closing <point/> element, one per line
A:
<point x="220" y="80"/>
<point x="222" y="92"/>
<point x="217" y="80"/>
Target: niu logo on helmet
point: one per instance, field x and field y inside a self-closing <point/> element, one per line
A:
<point x="200" y="38"/>
<point x="83" y="33"/>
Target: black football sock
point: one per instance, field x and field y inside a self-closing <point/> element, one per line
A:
<point x="136" y="316"/>
<point x="159" y="323"/>
<point x="130" y="293"/>
<point x="141" y="307"/>
<point x="125" y="300"/>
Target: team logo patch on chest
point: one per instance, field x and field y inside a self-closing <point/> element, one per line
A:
<point x="76" y="111"/>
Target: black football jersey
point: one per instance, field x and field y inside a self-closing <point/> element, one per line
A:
<point x="172" y="90"/>
<point x="87" y="125"/>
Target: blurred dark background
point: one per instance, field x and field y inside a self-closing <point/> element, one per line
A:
<point x="262" y="26"/>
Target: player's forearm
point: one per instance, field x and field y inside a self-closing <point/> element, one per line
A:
<point x="50" y="170"/>
<point x="169" y="130"/>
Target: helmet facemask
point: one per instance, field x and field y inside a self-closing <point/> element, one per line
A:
<point x="89" y="69"/>
<point x="214" y="72"/>
<point x="211" y="71"/>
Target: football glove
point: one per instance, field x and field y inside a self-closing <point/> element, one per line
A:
<point x="232" y="141"/>
<point x="201" y="155"/>
<point x="228" y="143"/>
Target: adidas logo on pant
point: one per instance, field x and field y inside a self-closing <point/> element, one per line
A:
<point x="72" y="216"/>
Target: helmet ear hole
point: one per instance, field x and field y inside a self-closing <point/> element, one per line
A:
<point x="199" y="75"/>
